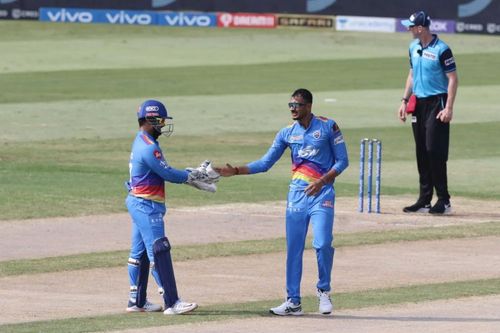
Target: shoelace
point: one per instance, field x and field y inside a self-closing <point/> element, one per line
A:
<point x="324" y="296"/>
<point x="148" y="304"/>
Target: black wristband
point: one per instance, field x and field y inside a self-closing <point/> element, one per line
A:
<point x="404" y="100"/>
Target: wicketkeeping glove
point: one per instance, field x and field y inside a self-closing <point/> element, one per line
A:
<point x="211" y="173"/>
<point x="204" y="177"/>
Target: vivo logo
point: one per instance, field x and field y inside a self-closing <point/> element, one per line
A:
<point x="64" y="15"/>
<point x="189" y="20"/>
<point x="122" y="17"/>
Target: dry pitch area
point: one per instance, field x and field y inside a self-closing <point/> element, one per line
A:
<point x="260" y="277"/>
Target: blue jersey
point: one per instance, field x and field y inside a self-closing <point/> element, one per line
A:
<point x="314" y="151"/>
<point x="430" y="65"/>
<point x="149" y="170"/>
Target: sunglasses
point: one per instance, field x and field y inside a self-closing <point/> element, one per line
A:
<point x="162" y="125"/>
<point x="295" y="105"/>
<point x="156" y="121"/>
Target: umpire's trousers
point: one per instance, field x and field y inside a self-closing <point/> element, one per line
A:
<point x="432" y="139"/>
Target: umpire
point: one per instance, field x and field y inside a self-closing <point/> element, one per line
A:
<point x="433" y="80"/>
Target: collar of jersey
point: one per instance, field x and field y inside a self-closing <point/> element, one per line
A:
<point x="431" y="44"/>
<point x="148" y="136"/>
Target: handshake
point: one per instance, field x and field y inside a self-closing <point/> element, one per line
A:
<point x="203" y="177"/>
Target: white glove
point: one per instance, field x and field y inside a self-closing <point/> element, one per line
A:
<point x="208" y="174"/>
<point x="212" y="174"/>
<point x="200" y="181"/>
<point x="204" y="177"/>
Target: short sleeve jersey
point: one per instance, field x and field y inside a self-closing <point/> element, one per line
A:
<point x="430" y="66"/>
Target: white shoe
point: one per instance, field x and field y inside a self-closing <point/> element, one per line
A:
<point x="325" y="303"/>
<point x="287" y="308"/>
<point x="180" y="307"/>
<point x="148" y="307"/>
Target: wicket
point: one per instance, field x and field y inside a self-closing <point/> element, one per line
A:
<point x="370" y="174"/>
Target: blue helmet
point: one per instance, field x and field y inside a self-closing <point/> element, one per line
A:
<point x="157" y="115"/>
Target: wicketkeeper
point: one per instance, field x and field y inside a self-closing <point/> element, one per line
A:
<point x="146" y="204"/>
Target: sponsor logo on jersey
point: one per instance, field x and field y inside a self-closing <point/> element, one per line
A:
<point x="292" y="208"/>
<point x="317" y="134"/>
<point x="327" y="203"/>
<point x="449" y="61"/>
<point x="157" y="154"/>
<point x="339" y="139"/>
<point x="296" y="137"/>
<point x="308" y="152"/>
<point x="429" y="55"/>
<point x="157" y="220"/>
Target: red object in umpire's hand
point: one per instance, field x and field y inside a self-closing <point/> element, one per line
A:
<point x="412" y="103"/>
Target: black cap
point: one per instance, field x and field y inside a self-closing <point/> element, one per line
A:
<point x="416" y="19"/>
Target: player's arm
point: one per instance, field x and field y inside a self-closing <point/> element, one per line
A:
<point x="261" y="165"/>
<point x="153" y="157"/>
<point x="340" y="152"/>
<point x="446" y="114"/>
<point x="407" y="92"/>
<point x="406" y="96"/>
<point x="448" y="64"/>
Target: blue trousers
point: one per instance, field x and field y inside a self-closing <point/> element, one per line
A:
<point x="319" y="211"/>
<point x="147" y="226"/>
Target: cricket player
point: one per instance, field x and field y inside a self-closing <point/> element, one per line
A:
<point x="146" y="205"/>
<point x="319" y="155"/>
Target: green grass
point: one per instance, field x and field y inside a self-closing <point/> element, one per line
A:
<point x="240" y="248"/>
<point x="85" y="176"/>
<point x="224" y="312"/>
<point x="336" y="75"/>
<point x="69" y="95"/>
<point x="67" y="118"/>
<point x="79" y="46"/>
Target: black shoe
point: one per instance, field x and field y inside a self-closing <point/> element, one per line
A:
<point x="441" y="207"/>
<point x="418" y="207"/>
